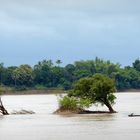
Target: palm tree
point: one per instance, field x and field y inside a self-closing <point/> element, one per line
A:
<point x="58" y="62"/>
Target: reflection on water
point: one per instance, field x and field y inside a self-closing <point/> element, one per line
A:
<point x="45" y="126"/>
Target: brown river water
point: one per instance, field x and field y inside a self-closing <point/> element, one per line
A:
<point x="46" y="126"/>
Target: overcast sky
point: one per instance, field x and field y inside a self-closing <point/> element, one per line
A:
<point x="33" y="30"/>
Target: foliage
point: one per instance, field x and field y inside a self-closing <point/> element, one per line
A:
<point x="2" y="90"/>
<point x="128" y="78"/>
<point x="136" y="65"/>
<point x="84" y="103"/>
<point x="48" y="75"/>
<point x="67" y="103"/>
<point x="23" y="76"/>
<point x="73" y="104"/>
<point x="58" y="62"/>
<point x="98" y="89"/>
<point x="40" y="87"/>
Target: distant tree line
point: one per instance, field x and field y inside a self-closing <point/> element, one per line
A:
<point x="46" y="74"/>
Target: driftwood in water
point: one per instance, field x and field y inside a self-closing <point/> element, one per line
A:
<point x="22" y="112"/>
<point x="2" y="109"/>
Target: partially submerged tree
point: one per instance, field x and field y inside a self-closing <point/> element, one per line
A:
<point x="2" y="109"/>
<point x="98" y="89"/>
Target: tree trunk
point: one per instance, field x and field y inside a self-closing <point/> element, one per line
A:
<point x="2" y="109"/>
<point x="109" y="107"/>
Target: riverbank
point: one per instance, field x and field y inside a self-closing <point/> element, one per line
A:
<point x="129" y="90"/>
<point x="52" y="91"/>
<point x="34" y="92"/>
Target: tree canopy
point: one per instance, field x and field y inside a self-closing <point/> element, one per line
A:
<point x="53" y="75"/>
<point x="98" y="89"/>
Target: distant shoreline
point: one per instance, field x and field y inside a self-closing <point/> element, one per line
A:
<point x="53" y="91"/>
<point x="34" y="92"/>
<point x="129" y="90"/>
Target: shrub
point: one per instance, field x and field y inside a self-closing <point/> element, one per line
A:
<point x="73" y="104"/>
<point x="68" y="103"/>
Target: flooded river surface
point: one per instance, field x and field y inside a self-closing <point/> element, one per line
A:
<point x="45" y="126"/>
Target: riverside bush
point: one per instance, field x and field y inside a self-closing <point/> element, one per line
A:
<point x="68" y="103"/>
<point x="73" y="104"/>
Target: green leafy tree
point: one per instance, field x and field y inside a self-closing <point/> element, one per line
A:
<point x="90" y="67"/>
<point x="98" y="89"/>
<point x="136" y="65"/>
<point x="58" y="62"/>
<point x="23" y="76"/>
<point x="128" y="78"/>
<point x="1" y="72"/>
<point x="57" y="76"/>
<point x="42" y="73"/>
<point x="7" y="76"/>
<point x="72" y="104"/>
<point x="69" y="75"/>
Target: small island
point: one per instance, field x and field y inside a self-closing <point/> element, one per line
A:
<point x="86" y="92"/>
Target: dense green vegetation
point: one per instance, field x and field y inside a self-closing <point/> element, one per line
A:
<point x="73" y="104"/>
<point x="87" y="91"/>
<point x="46" y="74"/>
